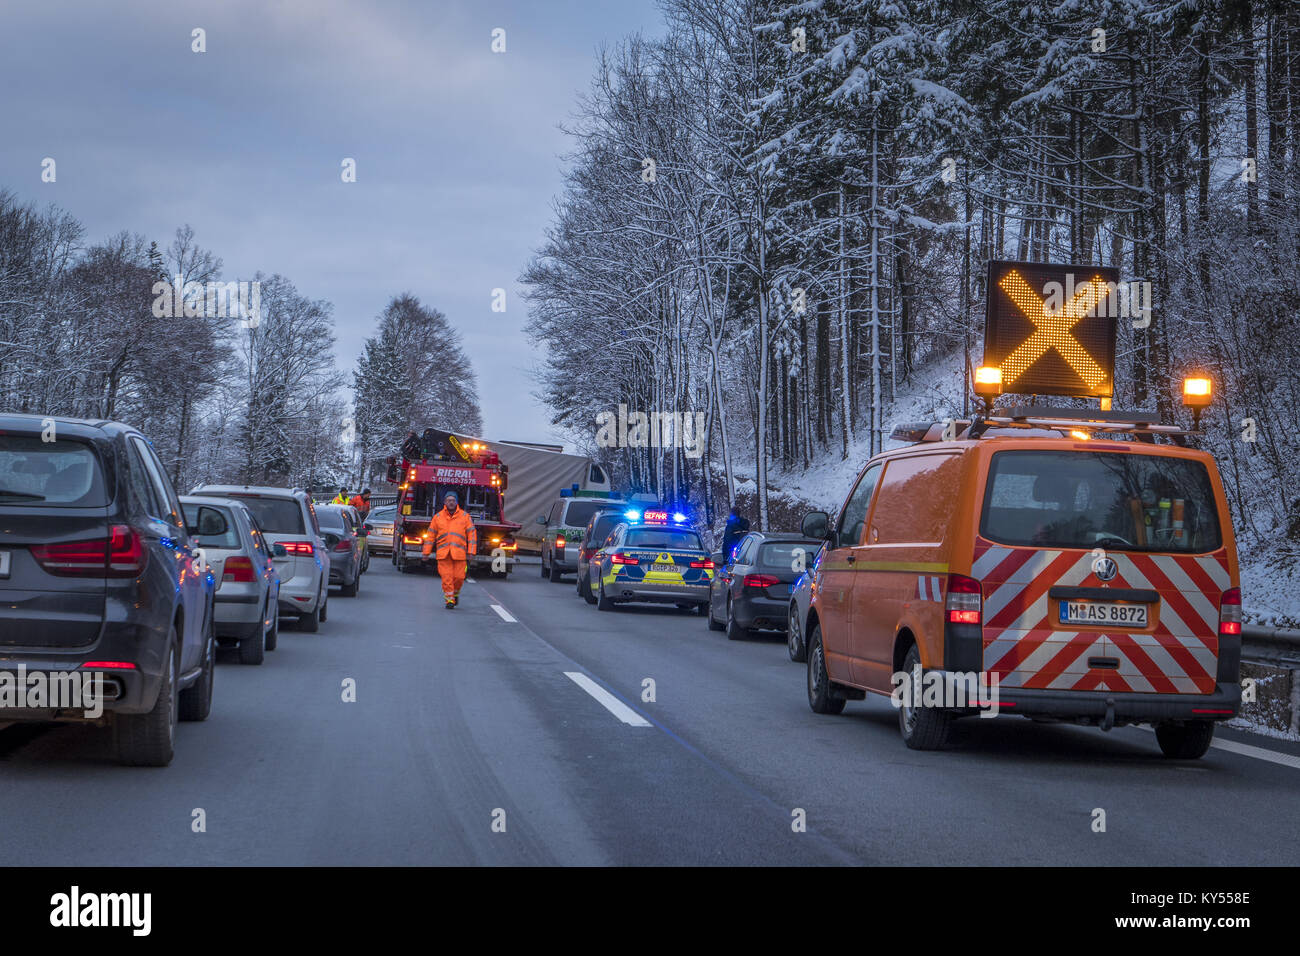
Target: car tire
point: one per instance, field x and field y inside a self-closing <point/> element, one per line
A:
<point x="923" y="728"/>
<point x="821" y="697"/>
<point x="713" y="625"/>
<point x="149" y="740"/>
<point x="1185" y="741"/>
<point x="577" y="581"/>
<point x="324" y="604"/>
<point x="273" y="635"/>
<point x="734" y="631"/>
<point x="794" y="636"/>
<point x="196" y="700"/>
<point x="603" y="603"/>
<point x="310" y="623"/>
<point x="544" y="573"/>
<point x="252" y="650"/>
<point x="350" y="590"/>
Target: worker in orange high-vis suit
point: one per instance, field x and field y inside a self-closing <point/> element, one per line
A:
<point x="453" y="535"/>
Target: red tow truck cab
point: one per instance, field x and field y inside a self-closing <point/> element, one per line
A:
<point x="479" y="479"/>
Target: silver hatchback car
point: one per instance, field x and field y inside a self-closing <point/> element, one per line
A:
<point x="246" y="605"/>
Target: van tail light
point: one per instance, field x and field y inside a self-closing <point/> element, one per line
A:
<point x="305" y="548"/>
<point x="1230" y="612"/>
<point x="964" y="603"/>
<point x="760" y="580"/>
<point x="237" y="570"/>
<point x="119" y="555"/>
<point x="617" y="558"/>
<point x="559" y="541"/>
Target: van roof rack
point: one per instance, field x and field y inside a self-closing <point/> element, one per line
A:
<point x="1144" y="426"/>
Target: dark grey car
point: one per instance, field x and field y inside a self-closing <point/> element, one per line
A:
<point x="751" y="592"/>
<point x="98" y="575"/>
<point x="598" y="530"/>
<point x="339" y="527"/>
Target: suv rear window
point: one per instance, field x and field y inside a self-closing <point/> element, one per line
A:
<point x="1114" y="500"/>
<point x="580" y="512"/>
<point x="662" y="538"/>
<point x="63" y="472"/>
<point x="275" y="515"/>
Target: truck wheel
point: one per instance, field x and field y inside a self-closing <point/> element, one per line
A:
<point x="820" y="697"/>
<point x="923" y="728"/>
<point x="794" y="636"/>
<point x="148" y="740"/>
<point x="196" y="700"/>
<point x="1185" y="741"/>
<point x="603" y="603"/>
<point x="252" y="650"/>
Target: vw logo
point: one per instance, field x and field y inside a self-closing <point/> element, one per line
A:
<point x="1105" y="568"/>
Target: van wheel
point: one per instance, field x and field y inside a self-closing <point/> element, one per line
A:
<point x="148" y="740"/>
<point x="1185" y="741"/>
<point x="734" y="631"/>
<point x="252" y="650"/>
<point x="555" y="572"/>
<point x="794" y="636"/>
<point x="923" y="728"/>
<point x="196" y="700"/>
<point x="820" y="698"/>
<point x="603" y="603"/>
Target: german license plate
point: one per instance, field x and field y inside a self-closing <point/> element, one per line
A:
<point x="1103" y="612"/>
<point x="666" y="568"/>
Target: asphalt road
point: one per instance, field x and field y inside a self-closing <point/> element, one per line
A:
<point x="465" y="721"/>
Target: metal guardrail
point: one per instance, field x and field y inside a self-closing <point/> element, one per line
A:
<point x="1270" y="645"/>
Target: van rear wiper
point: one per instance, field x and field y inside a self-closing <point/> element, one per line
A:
<point x="6" y="493"/>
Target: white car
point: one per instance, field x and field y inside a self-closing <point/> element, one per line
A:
<point x="288" y="517"/>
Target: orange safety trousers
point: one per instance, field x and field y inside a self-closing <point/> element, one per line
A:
<point x="452" y="572"/>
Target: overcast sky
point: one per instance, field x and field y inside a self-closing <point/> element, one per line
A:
<point x="457" y="148"/>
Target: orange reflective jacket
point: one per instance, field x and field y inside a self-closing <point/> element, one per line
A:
<point x="453" y="535"/>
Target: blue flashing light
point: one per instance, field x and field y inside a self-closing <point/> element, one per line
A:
<point x="632" y="515"/>
<point x="678" y="517"/>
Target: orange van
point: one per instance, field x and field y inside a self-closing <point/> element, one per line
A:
<point x="1079" y="578"/>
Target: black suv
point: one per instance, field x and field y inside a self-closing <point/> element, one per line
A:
<point x="98" y="574"/>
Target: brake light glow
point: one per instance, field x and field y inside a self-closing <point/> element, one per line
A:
<point x="343" y="545"/>
<point x="1230" y="612"/>
<point x="237" y="570"/>
<point x="109" y="665"/>
<point x="559" y="541"/>
<point x="964" y="602"/>
<point x="305" y="548"/>
<point x="702" y="564"/>
<point x="617" y="558"/>
<point x="119" y="555"/>
<point x="760" y="580"/>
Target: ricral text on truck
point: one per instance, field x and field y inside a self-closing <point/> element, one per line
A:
<point x="444" y="463"/>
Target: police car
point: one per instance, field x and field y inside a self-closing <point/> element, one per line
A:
<point x="652" y="557"/>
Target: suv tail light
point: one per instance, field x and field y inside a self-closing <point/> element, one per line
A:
<point x="305" y="548"/>
<point x="761" y="580"/>
<point x="119" y="555"/>
<point x="345" y="544"/>
<point x="1230" y="612"/>
<point x="559" y="541"/>
<point x="238" y="570"/>
<point x="964" y="603"/>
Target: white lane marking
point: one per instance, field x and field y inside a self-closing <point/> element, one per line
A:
<point x="505" y="615"/>
<point x="607" y="700"/>
<point x="1249" y="750"/>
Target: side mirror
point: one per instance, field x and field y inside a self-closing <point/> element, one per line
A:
<point x="816" y="524"/>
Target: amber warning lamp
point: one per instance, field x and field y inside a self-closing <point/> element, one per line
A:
<point x="1198" y="392"/>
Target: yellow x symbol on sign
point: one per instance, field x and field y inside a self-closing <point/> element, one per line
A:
<point x="1052" y="329"/>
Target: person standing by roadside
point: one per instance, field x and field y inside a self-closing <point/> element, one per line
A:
<point x="737" y="524"/>
<point x="361" y="501"/>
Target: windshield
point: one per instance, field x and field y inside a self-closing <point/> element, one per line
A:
<point x="1112" y="500"/>
<point x="663" y="538"/>
<point x="36" y="472"/>
<point x="275" y="515"/>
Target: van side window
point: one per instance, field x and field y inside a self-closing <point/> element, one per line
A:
<point x="853" y="515"/>
<point x="916" y="500"/>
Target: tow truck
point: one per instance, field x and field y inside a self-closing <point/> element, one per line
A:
<point x="444" y="463"/>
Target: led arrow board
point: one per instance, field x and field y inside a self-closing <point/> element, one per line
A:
<point x="1050" y="328"/>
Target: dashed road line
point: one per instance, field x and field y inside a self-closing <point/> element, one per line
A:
<point x="607" y="700"/>
<point x="504" y="614"/>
